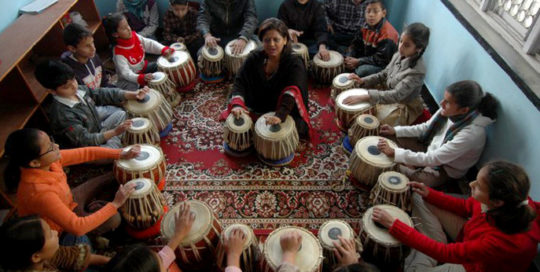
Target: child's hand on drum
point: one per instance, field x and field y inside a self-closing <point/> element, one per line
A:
<point x="419" y="188"/>
<point x="234" y="245"/>
<point x="345" y="251"/>
<point x="382" y="217"/>
<point x="168" y="53"/>
<point x="356" y="78"/>
<point x="387" y="130"/>
<point x="272" y="120"/>
<point x="290" y="244"/>
<point x="351" y="63"/>
<point x="123" y="193"/>
<point x="385" y="148"/>
<point x="210" y="41"/>
<point x="237" y="111"/>
<point x="123" y="127"/>
<point x="354" y="99"/>
<point x="294" y="34"/>
<point x="238" y="46"/>
<point x="148" y="77"/>
<point x="184" y="222"/>
<point x="131" y="153"/>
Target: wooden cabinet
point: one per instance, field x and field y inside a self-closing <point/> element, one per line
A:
<point x="29" y="39"/>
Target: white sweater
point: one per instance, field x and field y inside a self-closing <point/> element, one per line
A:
<point x="456" y="155"/>
<point x="129" y="69"/>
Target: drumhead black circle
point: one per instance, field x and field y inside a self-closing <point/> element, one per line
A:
<point x="145" y="99"/>
<point x="239" y="121"/>
<point x="373" y="150"/>
<point x="394" y="180"/>
<point x="333" y="233"/>
<point x="143" y="156"/>
<point x="212" y="51"/>
<point x="368" y="120"/>
<point x="275" y="128"/>
<point x="139" y="185"/>
<point x="296" y="46"/>
<point x="343" y="79"/>
<point x="138" y="123"/>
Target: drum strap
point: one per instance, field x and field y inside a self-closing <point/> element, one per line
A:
<point x="297" y="95"/>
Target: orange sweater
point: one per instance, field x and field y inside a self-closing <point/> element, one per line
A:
<point x="47" y="193"/>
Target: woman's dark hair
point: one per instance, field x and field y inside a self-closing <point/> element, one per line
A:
<point x="21" y="238"/>
<point x="469" y="93"/>
<point x="22" y="146"/>
<point x="178" y="2"/>
<point x="510" y="184"/>
<point x="419" y="34"/>
<point x="53" y="73"/>
<point x="137" y="258"/>
<point x="277" y="25"/>
<point x="110" y="23"/>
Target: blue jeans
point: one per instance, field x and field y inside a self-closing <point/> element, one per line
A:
<point x="367" y="69"/>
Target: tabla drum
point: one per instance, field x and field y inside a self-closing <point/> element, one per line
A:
<point x="325" y="71"/>
<point x="346" y="114"/>
<point x="144" y="209"/>
<point x="276" y="144"/>
<point x="198" y="249"/>
<point x="250" y="251"/>
<point x="178" y="46"/>
<point x="328" y="234"/>
<point x="141" y="131"/>
<point x="392" y="188"/>
<point x="341" y="83"/>
<point x="180" y="69"/>
<point x="364" y="125"/>
<point x="301" y="50"/>
<point x="150" y="164"/>
<point x="166" y="87"/>
<point x="237" y="135"/>
<point x="234" y="62"/>
<point x="377" y="242"/>
<point x="367" y="162"/>
<point x="153" y="107"/>
<point x="211" y="64"/>
<point x="308" y="259"/>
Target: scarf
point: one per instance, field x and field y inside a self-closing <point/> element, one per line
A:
<point x="135" y="7"/>
<point x="439" y="121"/>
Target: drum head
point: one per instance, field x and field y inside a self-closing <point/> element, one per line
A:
<point x="367" y="121"/>
<point x="250" y="46"/>
<point x="179" y="46"/>
<point x="212" y="53"/>
<point x="274" y="132"/>
<point x="309" y="256"/>
<point x="342" y="80"/>
<point x="393" y="181"/>
<point x="140" y="124"/>
<point x="329" y="232"/>
<point x="355" y="107"/>
<point x="143" y="187"/>
<point x="148" y="158"/>
<point x="299" y="48"/>
<point x="150" y="102"/>
<point x="239" y="125"/>
<point x="200" y="228"/>
<point x="159" y="77"/>
<point x="381" y="235"/>
<point x="336" y="59"/>
<point x="178" y="58"/>
<point x="366" y="148"/>
<point x="247" y="231"/>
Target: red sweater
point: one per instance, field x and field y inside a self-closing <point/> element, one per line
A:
<point x="47" y="193"/>
<point x="480" y="246"/>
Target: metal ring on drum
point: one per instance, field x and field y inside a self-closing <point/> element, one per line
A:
<point x="275" y="144"/>
<point x="238" y="135"/>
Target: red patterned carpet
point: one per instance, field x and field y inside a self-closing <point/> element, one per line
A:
<point x="247" y="191"/>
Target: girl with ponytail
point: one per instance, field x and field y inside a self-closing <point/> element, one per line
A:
<point x="451" y="142"/>
<point x="399" y="103"/>
<point x="496" y="229"/>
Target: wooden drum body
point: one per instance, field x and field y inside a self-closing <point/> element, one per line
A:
<point x="166" y="87"/>
<point x="250" y="252"/>
<point x="364" y="125"/>
<point x="238" y="135"/>
<point x="328" y="233"/>
<point x="325" y="71"/>
<point x="346" y="114"/>
<point x="380" y="245"/>
<point x="392" y="188"/>
<point x="211" y="61"/>
<point x="276" y="144"/>
<point x="234" y="62"/>
<point x="149" y="164"/>
<point x="308" y="259"/>
<point x="340" y="84"/>
<point x="301" y="50"/>
<point x="142" y="131"/>
<point x="198" y="249"/>
<point x="144" y="208"/>
<point x="367" y="162"/>
<point x="153" y="107"/>
<point x="180" y="68"/>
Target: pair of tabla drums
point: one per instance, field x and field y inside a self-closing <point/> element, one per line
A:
<point x="153" y="107"/>
<point x="325" y="71"/>
<point x="275" y="144"/>
<point x="233" y="62"/>
<point x="144" y="209"/>
<point x="180" y="68"/>
<point x="150" y="164"/>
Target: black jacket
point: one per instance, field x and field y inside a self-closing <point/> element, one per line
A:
<point x="309" y="18"/>
<point x="226" y="18"/>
